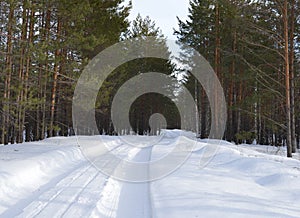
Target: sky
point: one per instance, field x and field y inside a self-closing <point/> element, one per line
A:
<point x="163" y="12"/>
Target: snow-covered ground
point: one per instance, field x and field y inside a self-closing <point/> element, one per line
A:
<point x="52" y="178"/>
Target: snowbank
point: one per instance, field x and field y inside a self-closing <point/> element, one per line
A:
<point x="24" y="168"/>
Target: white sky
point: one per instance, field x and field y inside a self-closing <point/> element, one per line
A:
<point x="163" y="12"/>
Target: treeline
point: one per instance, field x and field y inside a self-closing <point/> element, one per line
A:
<point x="254" y="49"/>
<point x="44" y="46"/>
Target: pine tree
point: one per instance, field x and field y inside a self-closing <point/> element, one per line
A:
<point x="244" y="42"/>
<point x="144" y="106"/>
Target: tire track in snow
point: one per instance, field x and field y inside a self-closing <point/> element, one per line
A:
<point x="135" y="197"/>
<point x="126" y="199"/>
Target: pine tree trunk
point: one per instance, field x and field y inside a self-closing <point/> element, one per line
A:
<point x="238" y="119"/>
<point x="7" y="83"/>
<point x="196" y="109"/>
<point x="20" y="99"/>
<point x="204" y="115"/>
<point x="215" y="115"/>
<point x="231" y="127"/>
<point x="43" y="88"/>
<point x="27" y="69"/>
<point x="292" y="79"/>
<point x="19" y="138"/>
<point x="287" y="79"/>
<point x="39" y="106"/>
<point x="54" y="84"/>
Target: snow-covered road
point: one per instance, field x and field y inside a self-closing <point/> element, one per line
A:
<point x="52" y="178"/>
<point x="77" y="189"/>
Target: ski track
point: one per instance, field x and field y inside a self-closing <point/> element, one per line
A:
<point x="57" y="196"/>
<point x="84" y="191"/>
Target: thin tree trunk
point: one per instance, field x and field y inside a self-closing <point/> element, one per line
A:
<point x="20" y="99"/>
<point x="40" y="85"/>
<point x="231" y="99"/>
<point x="39" y="106"/>
<point x="196" y="109"/>
<point x="292" y="75"/>
<point x="46" y="68"/>
<point x="62" y="105"/>
<point x="204" y="115"/>
<point x="7" y="83"/>
<point x="54" y="85"/>
<point x="215" y="115"/>
<point x="28" y="65"/>
<point x="287" y="78"/>
<point x="238" y="122"/>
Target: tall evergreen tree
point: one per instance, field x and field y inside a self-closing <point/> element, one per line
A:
<point x="249" y="44"/>
<point x="145" y="105"/>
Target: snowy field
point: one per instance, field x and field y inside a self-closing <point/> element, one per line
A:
<point x="52" y="178"/>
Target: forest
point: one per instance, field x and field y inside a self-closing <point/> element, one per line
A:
<point x="253" y="47"/>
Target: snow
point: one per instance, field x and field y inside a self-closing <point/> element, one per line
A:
<point x="52" y="178"/>
<point x="234" y="184"/>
